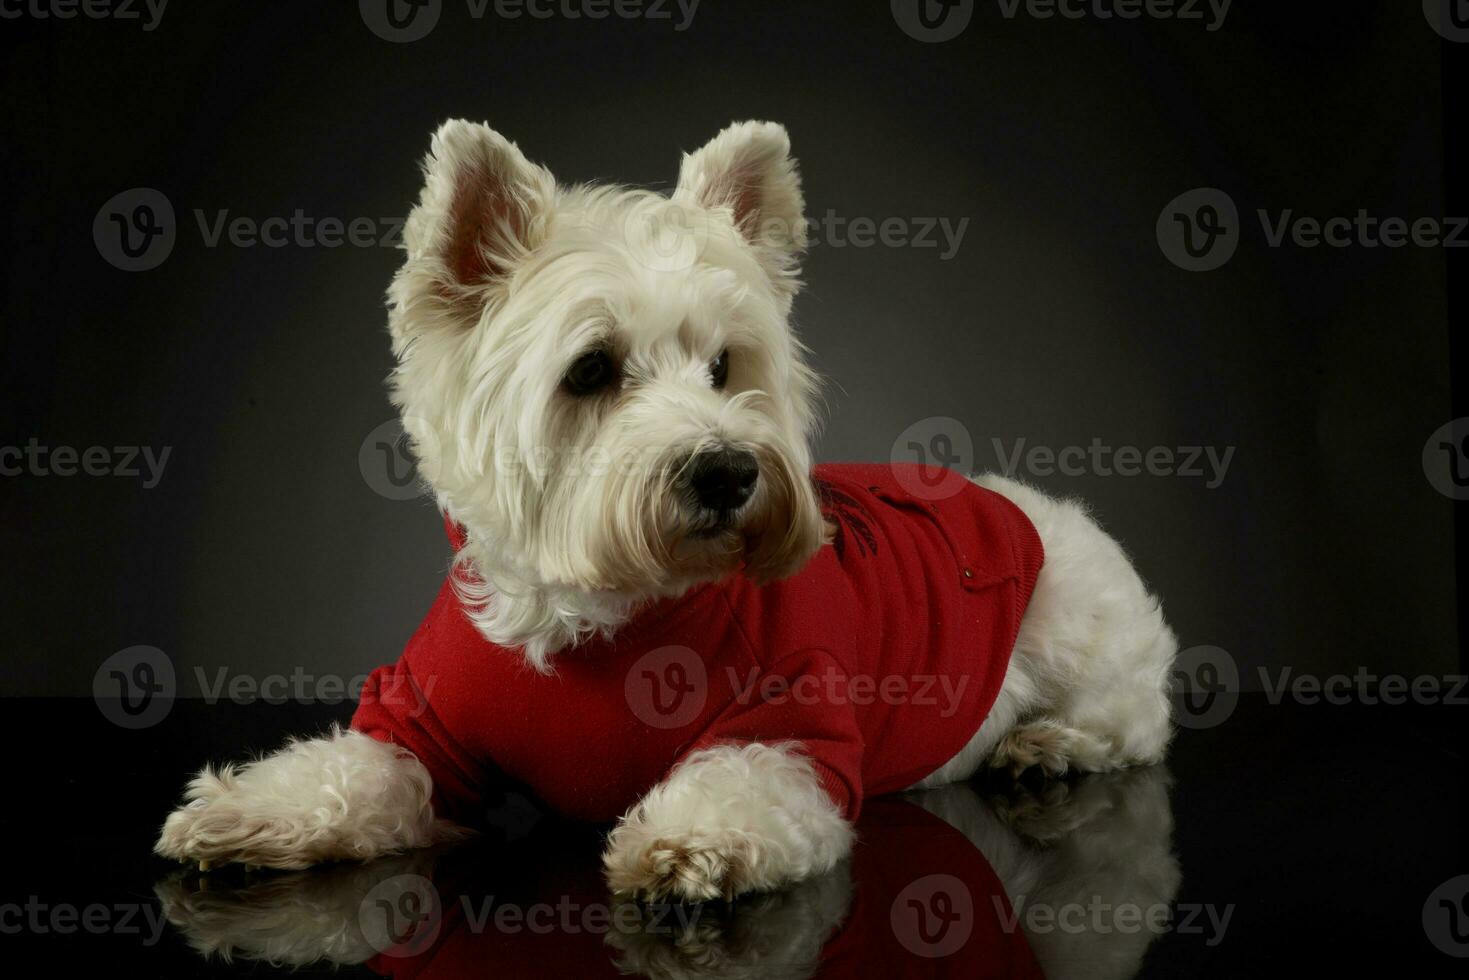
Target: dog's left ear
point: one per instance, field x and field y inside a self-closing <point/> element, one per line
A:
<point x="748" y="170"/>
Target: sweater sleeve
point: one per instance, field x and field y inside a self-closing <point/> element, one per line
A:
<point x="394" y="708"/>
<point x="803" y="698"/>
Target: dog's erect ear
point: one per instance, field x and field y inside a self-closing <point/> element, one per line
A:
<point x="749" y="170"/>
<point x="482" y="209"/>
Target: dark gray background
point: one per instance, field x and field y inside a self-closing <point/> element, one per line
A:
<point x="1058" y="321"/>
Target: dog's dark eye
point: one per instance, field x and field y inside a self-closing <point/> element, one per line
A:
<point x="590" y="373"/>
<point x="719" y="370"/>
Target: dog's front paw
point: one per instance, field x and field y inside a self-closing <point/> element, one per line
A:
<point x="731" y="819"/>
<point x="343" y="796"/>
<point x="199" y="831"/>
<point x="216" y="826"/>
<point x="687" y="868"/>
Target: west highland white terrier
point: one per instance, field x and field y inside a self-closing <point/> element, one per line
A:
<point x="660" y="613"/>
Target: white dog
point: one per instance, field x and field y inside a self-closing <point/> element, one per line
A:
<point x="604" y="391"/>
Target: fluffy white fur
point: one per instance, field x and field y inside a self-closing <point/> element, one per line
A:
<point x="731" y="819"/>
<point x="575" y="512"/>
<point x="344" y="795"/>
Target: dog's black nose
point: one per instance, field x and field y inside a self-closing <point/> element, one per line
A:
<point x="723" y="479"/>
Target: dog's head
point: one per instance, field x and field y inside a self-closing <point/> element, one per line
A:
<point x="601" y="383"/>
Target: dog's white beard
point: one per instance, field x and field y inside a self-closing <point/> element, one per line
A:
<point x="612" y="529"/>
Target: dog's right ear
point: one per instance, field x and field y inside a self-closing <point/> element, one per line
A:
<point x="483" y="208"/>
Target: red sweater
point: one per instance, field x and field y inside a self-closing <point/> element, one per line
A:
<point x="880" y="658"/>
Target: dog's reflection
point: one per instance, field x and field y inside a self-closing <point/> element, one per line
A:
<point x="1088" y="865"/>
<point x="1002" y="880"/>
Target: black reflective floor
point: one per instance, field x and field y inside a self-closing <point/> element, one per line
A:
<point x="1288" y="839"/>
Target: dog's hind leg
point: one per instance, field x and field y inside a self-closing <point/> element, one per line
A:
<point x="1094" y="651"/>
<point x="344" y="796"/>
<point x="1086" y="688"/>
<point x="1053" y="748"/>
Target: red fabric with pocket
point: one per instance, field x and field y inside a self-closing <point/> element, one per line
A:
<point x="879" y="659"/>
